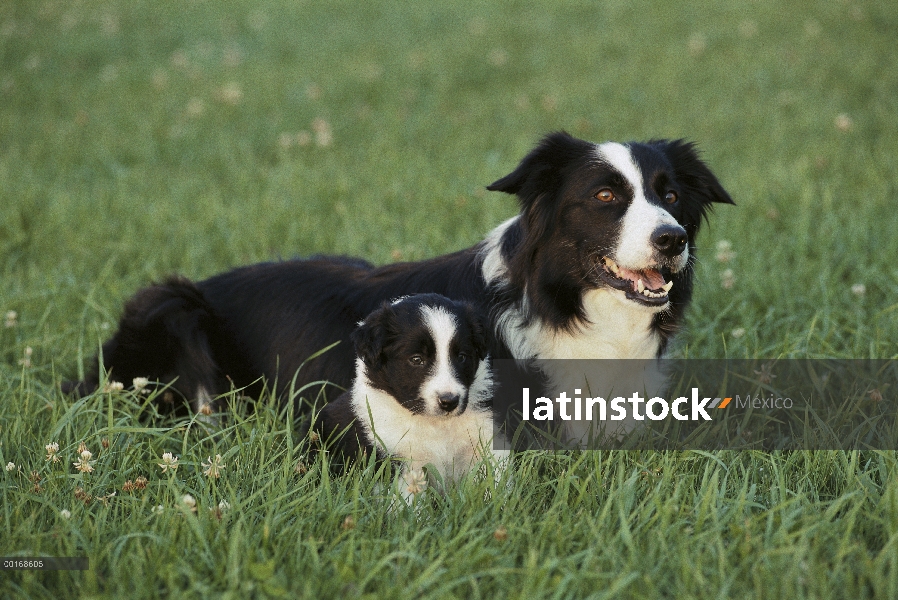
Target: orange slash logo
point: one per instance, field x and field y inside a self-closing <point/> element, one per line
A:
<point x="720" y="403"/>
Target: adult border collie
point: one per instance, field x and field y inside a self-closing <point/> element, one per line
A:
<point x="422" y="390"/>
<point x="598" y="264"/>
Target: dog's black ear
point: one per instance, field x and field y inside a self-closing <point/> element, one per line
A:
<point x="373" y="334"/>
<point x="537" y="181"/>
<point x="542" y="170"/>
<point x="479" y="327"/>
<point x="693" y="173"/>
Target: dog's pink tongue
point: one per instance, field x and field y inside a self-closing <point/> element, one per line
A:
<point x="651" y="278"/>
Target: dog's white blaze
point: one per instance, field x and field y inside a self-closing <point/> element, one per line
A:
<point x="451" y="444"/>
<point x="634" y="247"/>
<point x="619" y="156"/>
<point x="442" y="327"/>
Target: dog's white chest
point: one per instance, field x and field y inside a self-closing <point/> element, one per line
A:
<point x="449" y="443"/>
<point x="616" y="329"/>
<point x="611" y="355"/>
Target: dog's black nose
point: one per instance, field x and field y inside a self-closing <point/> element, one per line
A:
<point x="448" y="402"/>
<point x="669" y="240"/>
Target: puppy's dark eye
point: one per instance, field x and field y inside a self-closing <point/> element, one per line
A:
<point x="670" y="197"/>
<point x="605" y="195"/>
<point x="417" y="360"/>
<point x="462" y="357"/>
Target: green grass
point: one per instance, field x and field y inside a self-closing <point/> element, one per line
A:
<point x="143" y="138"/>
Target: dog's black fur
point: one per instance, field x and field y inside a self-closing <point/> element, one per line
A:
<point x="265" y="320"/>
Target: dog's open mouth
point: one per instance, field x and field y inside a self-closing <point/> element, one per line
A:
<point x="646" y="286"/>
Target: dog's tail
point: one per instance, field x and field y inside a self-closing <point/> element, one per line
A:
<point x="165" y="335"/>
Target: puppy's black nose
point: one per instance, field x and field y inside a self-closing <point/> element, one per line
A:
<point x="448" y="402"/>
<point x="669" y="240"/>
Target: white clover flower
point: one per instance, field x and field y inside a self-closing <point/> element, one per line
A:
<point x="417" y="481"/>
<point x="498" y="57"/>
<point x="697" y="44"/>
<point x="859" y="289"/>
<point x="738" y="332"/>
<point x="286" y="140"/>
<point x="26" y="361"/>
<point x="189" y="501"/>
<point x="214" y="467"/>
<point x="765" y="374"/>
<point x="844" y="122"/>
<point x="52" y="449"/>
<point x="139" y="384"/>
<point x="158" y="510"/>
<point x="12" y="318"/>
<point x="10" y="466"/>
<point x="85" y="464"/>
<point x="728" y="279"/>
<point x="65" y="513"/>
<point x="196" y="107"/>
<point x="725" y="251"/>
<point x="113" y="386"/>
<point x="323" y="135"/>
<point x="230" y="93"/>
<point x="223" y="507"/>
<point x="169" y="462"/>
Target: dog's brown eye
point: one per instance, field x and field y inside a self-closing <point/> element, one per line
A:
<point x="605" y="195"/>
<point x="670" y="197"/>
<point x="462" y="357"/>
<point x="417" y="360"/>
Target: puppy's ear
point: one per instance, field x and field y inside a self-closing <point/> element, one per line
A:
<point x="479" y="327"/>
<point x="693" y="173"/>
<point x="373" y="334"/>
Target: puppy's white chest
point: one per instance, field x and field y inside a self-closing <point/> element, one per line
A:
<point x="451" y="444"/>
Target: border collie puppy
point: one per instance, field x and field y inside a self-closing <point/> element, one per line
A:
<point x="421" y="394"/>
<point x="597" y="265"/>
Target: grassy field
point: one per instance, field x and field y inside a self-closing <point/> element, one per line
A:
<point x="143" y="138"/>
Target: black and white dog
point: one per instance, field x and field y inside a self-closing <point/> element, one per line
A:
<point x="598" y="264"/>
<point x="421" y="394"/>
